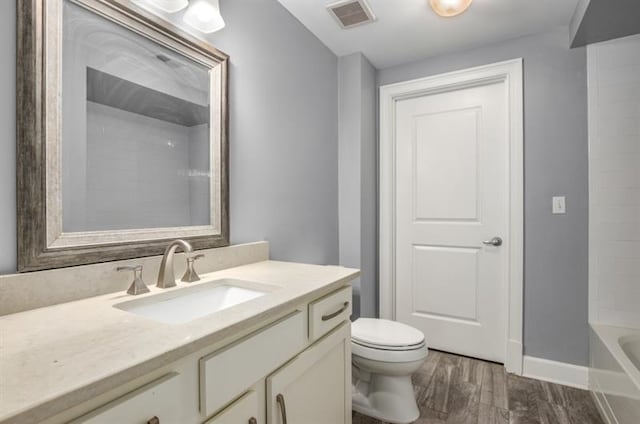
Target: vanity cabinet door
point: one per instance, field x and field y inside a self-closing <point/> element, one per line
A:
<point x="315" y="387"/>
<point x="243" y="411"/>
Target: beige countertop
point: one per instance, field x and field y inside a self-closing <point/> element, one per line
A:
<point x="56" y="357"/>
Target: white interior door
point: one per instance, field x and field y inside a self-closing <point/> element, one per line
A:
<point x="452" y="186"/>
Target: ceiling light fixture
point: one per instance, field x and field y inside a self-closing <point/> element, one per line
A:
<point x="204" y="15"/>
<point x="169" y="6"/>
<point x="449" y="8"/>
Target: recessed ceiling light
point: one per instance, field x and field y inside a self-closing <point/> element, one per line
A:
<point x="449" y="8"/>
<point x="204" y="15"/>
<point x="169" y="6"/>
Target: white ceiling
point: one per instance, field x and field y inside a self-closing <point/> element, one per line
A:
<point x="408" y="30"/>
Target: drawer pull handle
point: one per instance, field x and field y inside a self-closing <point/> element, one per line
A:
<point x="283" y="408"/>
<point x="336" y="313"/>
<point x="252" y="420"/>
<point x="154" y="420"/>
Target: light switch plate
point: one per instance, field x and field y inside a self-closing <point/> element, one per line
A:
<point x="559" y="205"/>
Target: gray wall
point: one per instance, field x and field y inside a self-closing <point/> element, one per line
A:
<point x="283" y="133"/>
<point x="7" y="137"/>
<point x="556" y="257"/>
<point x="357" y="177"/>
<point x="349" y="179"/>
<point x="369" y="193"/>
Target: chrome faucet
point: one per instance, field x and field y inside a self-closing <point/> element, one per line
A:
<point x="167" y="276"/>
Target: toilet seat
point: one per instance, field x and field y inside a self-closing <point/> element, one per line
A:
<point x="385" y="347"/>
<point x="386" y="355"/>
<point x="387" y="341"/>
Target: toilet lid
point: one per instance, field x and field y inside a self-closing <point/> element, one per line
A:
<point x="385" y="333"/>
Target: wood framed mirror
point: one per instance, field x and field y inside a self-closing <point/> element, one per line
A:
<point x="121" y="136"/>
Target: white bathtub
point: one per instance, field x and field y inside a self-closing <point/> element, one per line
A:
<point x="614" y="372"/>
<point x="631" y="347"/>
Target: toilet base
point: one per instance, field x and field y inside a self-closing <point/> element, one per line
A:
<point x="387" y="398"/>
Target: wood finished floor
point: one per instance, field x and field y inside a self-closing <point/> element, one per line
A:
<point x="453" y="389"/>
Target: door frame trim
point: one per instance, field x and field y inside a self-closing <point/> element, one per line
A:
<point x="510" y="72"/>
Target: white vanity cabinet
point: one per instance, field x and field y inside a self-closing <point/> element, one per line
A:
<point x="301" y="362"/>
<point x="315" y="387"/>
<point x="227" y="373"/>
<point x="329" y="311"/>
<point x="155" y="403"/>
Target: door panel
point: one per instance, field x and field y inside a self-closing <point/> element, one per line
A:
<point x="452" y="167"/>
<point x="451" y="273"/>
<point x="445" y="165"/>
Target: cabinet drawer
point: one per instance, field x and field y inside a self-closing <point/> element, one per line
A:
<point x="243" y="411"/>
<point x="159" y="399"/>
<point x="229" y="372"/>
<point x="328" y="312"/>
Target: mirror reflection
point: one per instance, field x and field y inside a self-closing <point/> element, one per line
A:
<point x="135" y="130"/>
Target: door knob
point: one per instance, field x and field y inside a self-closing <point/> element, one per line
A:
<point x="496" y="241"/>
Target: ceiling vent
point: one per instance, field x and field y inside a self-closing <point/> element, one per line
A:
<point x="351" y="13"/>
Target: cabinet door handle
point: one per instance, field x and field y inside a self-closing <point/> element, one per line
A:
<point x="336" y="313"/>
<point x="154" y="420"/>
<point x="252" y="420"/>
<point x="283" y="408"/>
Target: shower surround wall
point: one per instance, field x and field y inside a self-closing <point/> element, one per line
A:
<point x="139" y="172"/>
<point x="131" y="159"/>
<point x="614" y="239"/>
<point x="614" y="132"/>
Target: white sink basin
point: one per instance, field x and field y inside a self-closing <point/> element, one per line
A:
<point x="186" y="304"/>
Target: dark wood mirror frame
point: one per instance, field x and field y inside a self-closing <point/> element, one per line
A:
<point x="41" y="242"/>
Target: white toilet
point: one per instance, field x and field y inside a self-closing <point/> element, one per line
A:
<point x="384" y="355"/>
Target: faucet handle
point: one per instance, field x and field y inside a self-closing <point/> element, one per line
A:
<point x="190" y="274"/>
<point x="134" y="268"/>
<point x="137" y="286"/>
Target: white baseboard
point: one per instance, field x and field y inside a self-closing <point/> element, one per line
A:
<point x="556" y="372"/>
